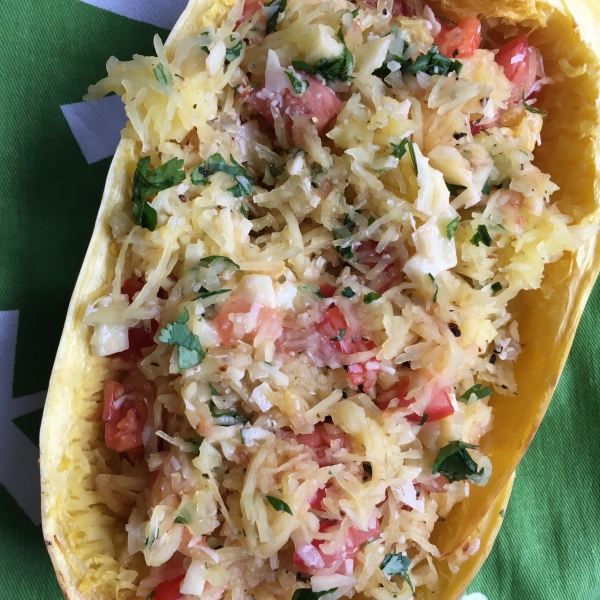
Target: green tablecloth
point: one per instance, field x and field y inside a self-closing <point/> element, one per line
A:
<point x="549" y="547"/>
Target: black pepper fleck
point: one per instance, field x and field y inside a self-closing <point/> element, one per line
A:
<point x="455" y="53"/>
<point x="493" y="358"/>
<point x="454" y="329"/>
<point x="182" y="198"/>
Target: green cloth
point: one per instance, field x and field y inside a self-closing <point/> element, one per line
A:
<point x="549" y="546"/>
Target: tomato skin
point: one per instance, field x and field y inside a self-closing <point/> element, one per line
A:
<point x="318" y="101"/>
<point x="124" y="418"/>
<point x="237" y="305"/>
<point x="132" y="286"/>
<point x="514" y="57"/>
<point x="169" y="590"/>
<point x="355" y="539"/>
<point x="366" y="253"/>
<point x="327" y="290"/>
<point x="322" y="439"/>
<point x="440" y="405"/>
<point x="250" y="7"/>
<point x="460" y="41"/>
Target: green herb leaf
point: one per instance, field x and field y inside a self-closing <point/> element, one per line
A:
<point x="163" y="75"/>
<point x="277" y="7"/>
<point x="371" y="297"/>
<point x="348" y="292"/>
<point x="299" y="86"/>
<point x="482" y="236"/>
<point x="423" y="419"/>
<point x="452" y="227"/>
<point x="213" y="390"/>
<point x="181" y="519"/>
<point x="340" y="337"/>
<point x="307" y="594"/>
<point x="434" y="63"/>
<point x="486" y="189"/>
<point x="455" y="190"/>
<point x="331" y="69"/>
<point x="496" y="287"/>
<point x="245" y="183"/>
<point x="243" y="211"/>
<point x="279" y="504"/>
<point x="455" y="462"/>
<point x="530" y="108"/>
<point x="435" y="287"/>
<point x="189" y="349"/>
<point x="234" y="52"/>
<point x="396" y="564"/>
<point x="478" y="390"/>
<point x="226" y="418"/>
<point x="196" y="442"/>
<point x="229" y="264"/>
<point x="399" y="150"/>
<point x="147" y="183"/>
<point x="208" y="294"/>
<point x="355" y="13"/>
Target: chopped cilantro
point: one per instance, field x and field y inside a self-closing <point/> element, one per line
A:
<point x="355" y="13"/>
<point x="235" y="51"/>
<point x="496" y="287"/>
<point x="245" y="183"/>
<point x="478" y="390"/>
<point x="345" y="231"/>
<point x="486" y="189"/>
<point x="196" y="443"/>
<point x="206" y="294"/>
<point x="163" y="75"/>
<point x="229" y="264"/>
<point x="279" y="505"/>
<point x="397" y="564"/>
<point x="306" y="594"/>
<point x="371" y="297"/>
<point x="452" y="227"/>
<point x="371" y="221"/>
<point x="331" y="69"/>
<point x="179" y="334"/>
<point x="181" y="519"/>
<point x="299" y="86"/>
<point x="213" y="390"/>
<point x="399" y="150"/>
<point x="226" y="418"/>
<point x="455" y="462"/>
<point x="147" y="183"/>
<point x="339" y="337"/>
<point x="482" y="236"/>
<point x="454" y="189"/>
<point x="435" y="286"/>
<point x="275" y="8"/>
<point x="348" y="292"/>
<point x="530" y="108"/>
<point x="434" y="63"/>
<point x="243" y="211"/>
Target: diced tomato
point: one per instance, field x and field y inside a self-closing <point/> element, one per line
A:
<point x="327" y="290"/>
<point x="318" y="102"/>
<point x="332" y="325"/>
<point x="169" y="590"/>
<point x="437" y="484"/>
<point x="335" y="563"/>
<point x="237" y="305"/>
<point x="131" y="287"/>
<point x="460" y="41"/>
<point x="124" y="417"/>
<point x="476" y="127"/>
<point x="316" y="502"/>
<point x="366" y="253"/>
<point x="250" y="7"/>
<point x="514" y="57"/>
<point x="325" y="440"/>
<point x="439" y="407"/>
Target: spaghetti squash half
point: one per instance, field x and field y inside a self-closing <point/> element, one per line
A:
<point x="337" y="269"/>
